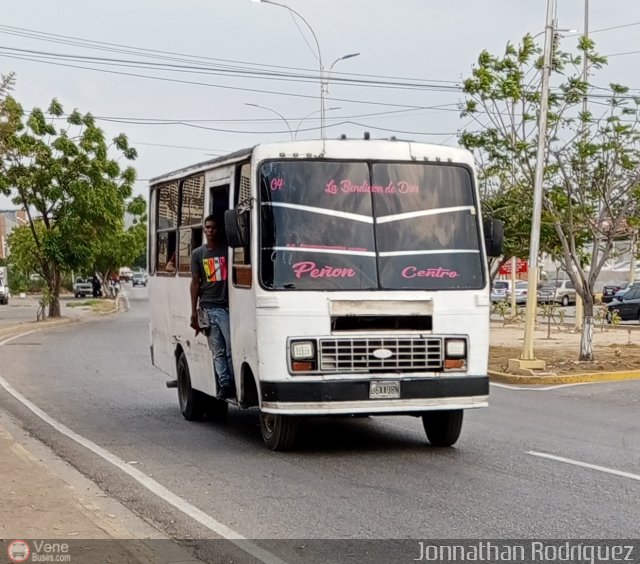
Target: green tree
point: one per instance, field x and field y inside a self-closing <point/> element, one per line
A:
<point x="9" y="119"/>
<point x="122" y="247"/>
<point x="61" y="171"/>
<point x="590" y="174"/>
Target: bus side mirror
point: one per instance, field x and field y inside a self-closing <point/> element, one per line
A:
<point x="236" y="226"/>
<point x="493" y="237"/>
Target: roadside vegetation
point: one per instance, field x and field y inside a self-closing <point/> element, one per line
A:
<point x="97" y="305"/>
<point x="591" y="178"/>
<point x="75" y="186"/>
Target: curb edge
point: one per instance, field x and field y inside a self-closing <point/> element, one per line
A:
<point x="587" y="377"/>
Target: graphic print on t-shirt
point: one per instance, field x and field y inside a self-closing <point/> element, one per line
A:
<point x="215" y="269"/>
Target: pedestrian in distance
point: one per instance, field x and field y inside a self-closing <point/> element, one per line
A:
<point x="115" y="285"/>
<point x="95" y="285"/>
<point x="209" y="293"/>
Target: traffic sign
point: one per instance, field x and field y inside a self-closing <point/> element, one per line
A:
<point x="521" y="267"/>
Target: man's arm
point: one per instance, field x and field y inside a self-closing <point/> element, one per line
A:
<point x="194" y="289"/>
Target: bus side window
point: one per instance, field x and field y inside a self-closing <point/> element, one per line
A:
<point x="167" y="223"/>
<point x="190" y="239"/>
<point x="166" y="249"/>
<point x="191" y="214"/>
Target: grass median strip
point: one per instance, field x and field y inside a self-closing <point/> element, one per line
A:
<point x="98" y="305"/>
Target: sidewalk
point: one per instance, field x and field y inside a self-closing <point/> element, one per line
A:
<point x="43" y="497"/>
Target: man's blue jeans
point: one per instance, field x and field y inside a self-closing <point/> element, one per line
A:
<point x="220" y="344"/>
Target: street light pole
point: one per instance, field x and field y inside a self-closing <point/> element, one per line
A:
<point x="328" y="73"/>
<point x="319" y="57"/>
<point x="275" y="112"/>
<point x="295" y="132"/>
<point x="527" y="359"/>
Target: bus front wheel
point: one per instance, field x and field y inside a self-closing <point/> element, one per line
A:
<point x="442" y="427"/>
<point x="279" y="432"/>
<point x="192" y="403"/>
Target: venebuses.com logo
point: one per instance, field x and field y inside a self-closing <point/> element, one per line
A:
<point x="38" y="551"/>
<point x="18" y="551"/>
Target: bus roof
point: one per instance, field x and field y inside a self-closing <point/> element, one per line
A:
<point x="375" y="149"/>
<point x="204" y="165"/>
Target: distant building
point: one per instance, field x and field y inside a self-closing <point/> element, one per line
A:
<point x="9" y="220"/>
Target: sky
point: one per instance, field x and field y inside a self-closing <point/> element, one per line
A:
<point x="178" y="76"/>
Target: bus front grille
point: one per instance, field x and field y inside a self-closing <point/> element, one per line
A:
<point x="406" y="354"/>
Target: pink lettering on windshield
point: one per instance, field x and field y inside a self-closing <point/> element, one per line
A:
<point x="406" y="188"/>
<point x="331" y="188"/>
<point x="277" y="184"/>
<point x="348" y="187"/>
<point x="415" y="272"/>
<point x="310" y="269"/>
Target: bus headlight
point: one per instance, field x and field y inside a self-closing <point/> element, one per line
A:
<point x="455" y="355"/>
<point x="455" y="348"/>
<point x="303" y="356"/>
<point x="303" y="350"/>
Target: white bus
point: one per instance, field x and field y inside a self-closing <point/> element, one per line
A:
<point x="358" y="283"/>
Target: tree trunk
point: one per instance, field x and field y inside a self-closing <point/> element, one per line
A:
<point x="586" y="340"/>
<point x="54" y="289"/>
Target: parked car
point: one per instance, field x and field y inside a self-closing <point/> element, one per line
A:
<point x="499" y="290"/>
<point x="558" y="292"/>
<point x="139" y="279"/>
<point x="622" y="292"/>
<point x="5" y="294"/>
<point x="610" y="290"/>
<point x="82" y="287"/>
<point x="521" y="291"/>
<point x="627" y="307"/>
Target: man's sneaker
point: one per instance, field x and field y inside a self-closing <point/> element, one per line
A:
<point x="226" y="392"/>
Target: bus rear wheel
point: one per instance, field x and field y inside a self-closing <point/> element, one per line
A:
<point x="443" y="427"/>
<point x="279" y="432"/>
<point x="192" y="403"/>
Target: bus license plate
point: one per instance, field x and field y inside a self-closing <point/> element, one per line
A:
<point x="384" y="389"/>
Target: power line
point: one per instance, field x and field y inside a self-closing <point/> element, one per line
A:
<point x="181" y="57"/>
<point x="602" y="29"/>
<point x="45" y="56"/>
<point x="209" y="85"/>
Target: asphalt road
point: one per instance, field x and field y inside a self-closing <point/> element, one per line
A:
<point x="552" y="463"/>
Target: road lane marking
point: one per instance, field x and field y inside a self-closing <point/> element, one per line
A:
<point x="154" y="487"/>
<point x="585" y="465"/>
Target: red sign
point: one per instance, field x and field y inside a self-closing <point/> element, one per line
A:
<point x="521" y="266"/>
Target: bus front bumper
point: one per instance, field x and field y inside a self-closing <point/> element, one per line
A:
<point x="352" y="396"/>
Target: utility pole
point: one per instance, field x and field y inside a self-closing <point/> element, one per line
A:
<point x="585" y="132"/>
<point x="527" y="360"/>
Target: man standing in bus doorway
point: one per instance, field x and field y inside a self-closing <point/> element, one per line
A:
<point x="209" y="292"/>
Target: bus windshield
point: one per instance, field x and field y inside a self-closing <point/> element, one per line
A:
<point x="338" y="225"/>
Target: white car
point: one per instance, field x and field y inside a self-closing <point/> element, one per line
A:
<point x="82" y="287"/>
<point x="558" y="292"/>
<point x="139" y="279"/>
<point x="501" y="290"/>
<point x="521" y="291"/>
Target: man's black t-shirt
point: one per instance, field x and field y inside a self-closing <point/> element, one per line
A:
<point x="211" y="267"/>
